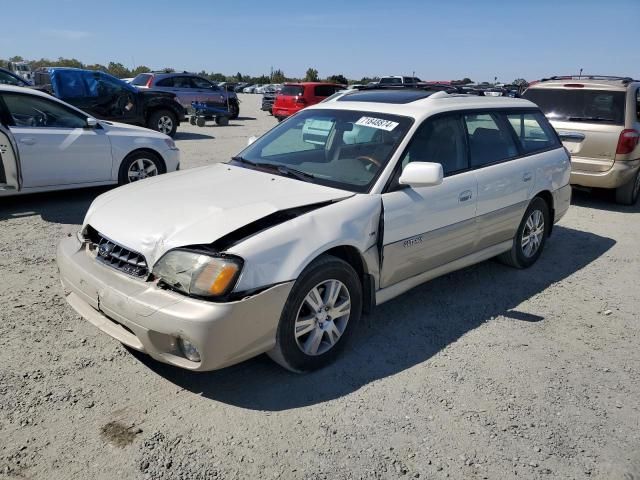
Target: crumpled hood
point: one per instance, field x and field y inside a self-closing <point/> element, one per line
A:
<point x="196" y="206"/>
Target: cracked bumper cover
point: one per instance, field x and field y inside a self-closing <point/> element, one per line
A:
<point x="150" y="319"/>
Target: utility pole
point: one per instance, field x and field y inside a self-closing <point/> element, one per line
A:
<point x="580" y="76"/>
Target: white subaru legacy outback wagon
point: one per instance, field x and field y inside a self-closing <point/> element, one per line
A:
<point x="342" y="207"/>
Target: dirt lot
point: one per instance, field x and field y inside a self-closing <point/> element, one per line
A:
<point x="485" y="373"/>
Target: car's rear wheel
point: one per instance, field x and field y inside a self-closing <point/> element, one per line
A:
<point x="138" y="166"/>
<point x="531" y="236"/>
<point x="319" y="316"/>
<point x="628" y="193"/>
<point x="163" y="121"/>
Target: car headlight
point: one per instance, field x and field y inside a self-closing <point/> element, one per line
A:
<point x="198" y="274"/>
<point x="170" y="143"/>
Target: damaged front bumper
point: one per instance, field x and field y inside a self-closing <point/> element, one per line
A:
<point x="149" y="319"/>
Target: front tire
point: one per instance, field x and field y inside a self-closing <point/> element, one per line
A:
<point x="628" y="193"/>
<point x="319" y="316"/>
<point x="163" y="121"/>
<point x="138" y="166"/>
<point x="234" y="109"/>
<point x="531" y="236"/>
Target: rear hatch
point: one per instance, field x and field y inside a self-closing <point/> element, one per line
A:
<point x="288" y="97"/>
<point x="588" y="121"/>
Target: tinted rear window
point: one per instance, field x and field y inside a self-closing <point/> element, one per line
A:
<point x="292" y="90"/>
<point x="579" y="105"/>
<point x="390" y="80"/>
<point x="141" y="79"/>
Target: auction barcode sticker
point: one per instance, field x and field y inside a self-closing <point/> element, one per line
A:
<point x="380" y="123"/>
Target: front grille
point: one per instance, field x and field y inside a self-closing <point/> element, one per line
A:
<point x="116" y="256"/>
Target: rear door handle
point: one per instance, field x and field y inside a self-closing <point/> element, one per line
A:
<point x="28" y="140"/>
<point x="527" y="177"/>
<point x="464" y="196"/>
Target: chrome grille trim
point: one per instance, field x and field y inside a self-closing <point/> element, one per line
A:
<point x="115" y="255"/>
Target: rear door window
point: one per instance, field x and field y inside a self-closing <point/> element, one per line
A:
<point x="201" y="82"/>
<point x="488" y="141"/>
<point x="533" y="131"/>
<point x="165" y="82"/>
<point x="579" y="105"/>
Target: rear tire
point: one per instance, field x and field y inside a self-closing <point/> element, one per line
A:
<point x="531" y="236"/>
<point x="200" y="121"/>
<point x="308" y="337"/>
<point x="628" y="193"/>
<point x="222" y="121"/>
<point x="163" y="121"/>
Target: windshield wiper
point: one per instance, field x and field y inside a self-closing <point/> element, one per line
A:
<point x="590" y="119"/>
<point x="281" y="169"/>
<point x="292" y="172"/>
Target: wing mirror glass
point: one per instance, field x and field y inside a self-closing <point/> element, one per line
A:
<point x="422" y="174"/>
<point x="92" y="122"/>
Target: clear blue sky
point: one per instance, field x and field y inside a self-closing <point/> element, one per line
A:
<point x="439" y="40"/>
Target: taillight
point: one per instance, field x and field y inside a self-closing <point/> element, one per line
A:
<point x="628" y="141"/>
<point x="149" y="81"/>
<point x="301" y="101"/>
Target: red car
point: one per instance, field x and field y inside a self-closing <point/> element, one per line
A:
<point x="295" y="96"/>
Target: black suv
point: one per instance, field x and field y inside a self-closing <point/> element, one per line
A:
<point x="109" y="98"/>
<point x="189" y="87"/>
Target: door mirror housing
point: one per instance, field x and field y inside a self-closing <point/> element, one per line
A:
<point x="92" y="122"/>
<point x="422" y="174"/>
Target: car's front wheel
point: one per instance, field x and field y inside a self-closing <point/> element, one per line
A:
<point x="163" y="121"/>
<point x="138" y="166"/>
<point x="531" y="236"/>
<point x="234" y="109"/>
<point x="319" y="316"/>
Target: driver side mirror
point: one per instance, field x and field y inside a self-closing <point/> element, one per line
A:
<point x="92" y="122"/>
<point x="422" y="174"/>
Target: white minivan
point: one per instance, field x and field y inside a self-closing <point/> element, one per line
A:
<point x="341" y="207"/>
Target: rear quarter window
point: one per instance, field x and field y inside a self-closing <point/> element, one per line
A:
<point x="533" y="131"/>
<point x="141" y="79"/>
<point x="292" y="90"/>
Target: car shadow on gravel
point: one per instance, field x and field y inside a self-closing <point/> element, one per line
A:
<point x="601" y="199"/>
<point x="68" y="206"/>
<point x="192" y="136"/>
<point x="401" y="333"/>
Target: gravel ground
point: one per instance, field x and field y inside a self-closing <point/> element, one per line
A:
<point x="488" y="372"/>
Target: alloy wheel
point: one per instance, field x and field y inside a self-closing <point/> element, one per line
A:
<point x="165" y="124"/>
<point x="141" y="168"/>
<point x="322" y="318"/>
<point x="532" y="234"/>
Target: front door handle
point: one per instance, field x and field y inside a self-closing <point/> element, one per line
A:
<point x="527" y="177"/>
<point x="464" y="196"/>
<point x="28" y="140"/>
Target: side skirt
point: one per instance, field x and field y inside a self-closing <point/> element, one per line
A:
<point x="399" y="288"/>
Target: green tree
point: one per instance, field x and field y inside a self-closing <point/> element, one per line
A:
<point x="238" y="77"/>
<point x="218" y="77"/>
<point x="16" y="58"/>
<point x="96" y="66"/>
<point x="311" y="75"/>
<point x="520" y="82"/>
<point x="341" y="79"/>
<point x="278" y="76"/>
<point x="140" y="69"/>
<point x="366" y="80"/>
<point x="118" y="70"/>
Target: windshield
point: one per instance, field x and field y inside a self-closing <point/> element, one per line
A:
<point x="579" y="105"/>
<point x="337" y="148"/>
<point x="6" y="79"/>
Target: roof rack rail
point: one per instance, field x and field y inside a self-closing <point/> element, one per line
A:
<point x="590" y="77"/>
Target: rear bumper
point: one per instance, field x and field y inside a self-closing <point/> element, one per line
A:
<point x="619" y="174"/>
<point x="283" y="112"/>
<point x="150" y="319"/>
